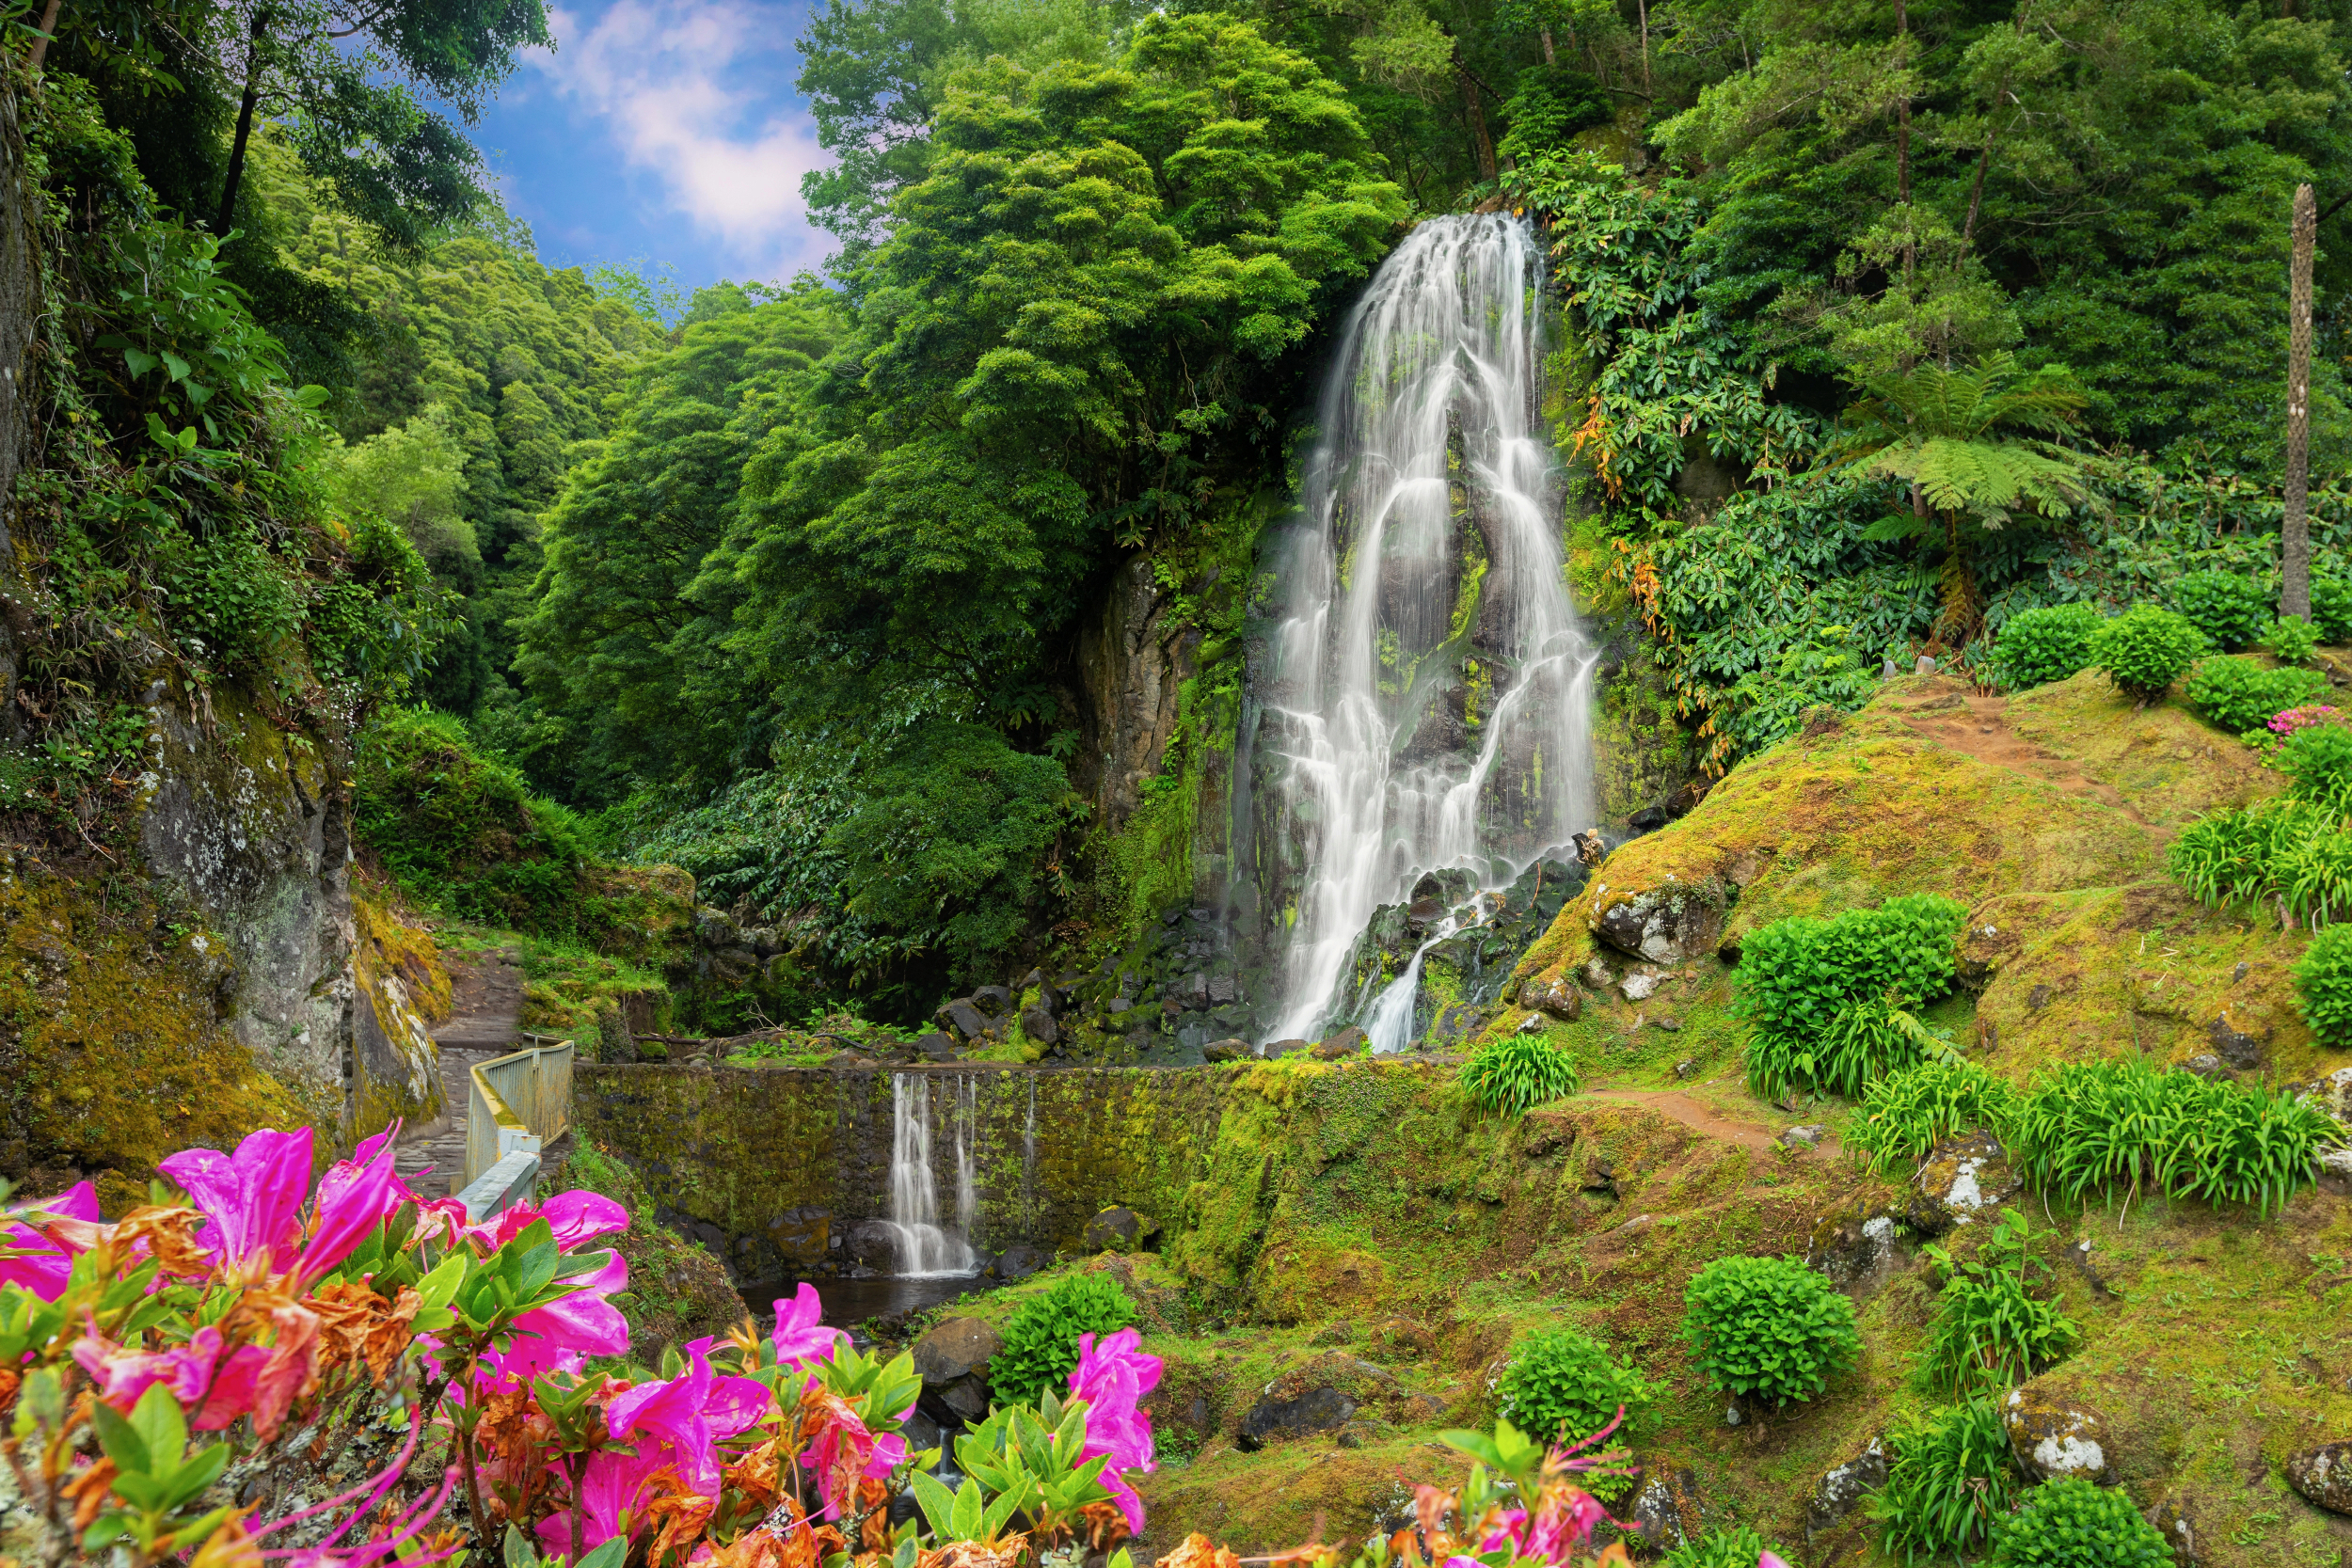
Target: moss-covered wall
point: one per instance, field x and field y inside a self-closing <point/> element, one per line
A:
<point x="775" y="1166"/>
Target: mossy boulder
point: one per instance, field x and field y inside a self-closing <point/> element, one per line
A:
<point x="2054" y="1432"/>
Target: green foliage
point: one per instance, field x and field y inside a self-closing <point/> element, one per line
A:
<point x="2318" y="761"/>
<point x="1905" y="1114"/>
<point x="2323" y="983"/>
<point x="1563" y="1386"/>
<point x="2238" y="852"/>
<point x="2101" y="1127"/>
<point x="1728" y="1547"/>
<point x="1516" y="1073"/>
<point x="1040" y="1348"/>
<point x="1991" y="1332"/>
<point x="2229" y="609"/>
<point x="2239" y="694"/>
<point x="2332" y="609"/>
<point x="2291" y="640"/>
<point x="2073" y="1522"/>
<point x="1948" y="1479"/>
<point x="1827" y="998"/>
<point x="1768" y="1328"/>
<point x="2146" y="649"/>
<point x="2046" y="643"/>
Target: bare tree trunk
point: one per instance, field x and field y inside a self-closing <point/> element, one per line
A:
<point x="2294" y="549"/>
<point x="1643" y="6"/>
<point x="244" y="125"/>
<point x="1902" y="116"/>
<point x="48" y="30"/>
<point x="1544" y="33"/>
<point x="1477" y="113"/>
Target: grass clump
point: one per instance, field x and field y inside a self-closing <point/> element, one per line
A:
<point x="2240" y="694"/>
<point x="1991" y="1332"/>
<point x="2317" y="762"/>
<point x="1040" y="1341"/>
<point x="1562" y="1386"/>
<point x="2231" y="611"/>
<point x="1948" y="1479"/>
<point x="2047" y="644"/>
<point x="1827" y="999"/>
<point x="2292" y="851"/>
<point x="1732" y="1546"/>
<point x="2073" y="1522"/>
<point x="1518" y="1072"/>
<point x="1768" y="1328"/>
<point x="2146" y="649"/>
<point x="1907" y="1113"/>
<point x="2096" y="1127"/>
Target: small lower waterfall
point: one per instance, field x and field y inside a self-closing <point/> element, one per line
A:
<point x="924" y="1245"/>
<point x="1429" y="688"/>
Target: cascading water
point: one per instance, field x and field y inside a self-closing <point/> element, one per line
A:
<point x="925" y="1247"/>
<point x="1430" y="689"/>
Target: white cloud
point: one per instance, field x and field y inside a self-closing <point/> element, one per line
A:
<point x="689" y="91"/>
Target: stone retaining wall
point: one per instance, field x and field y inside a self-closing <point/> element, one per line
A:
<point x="772" y="1167"/>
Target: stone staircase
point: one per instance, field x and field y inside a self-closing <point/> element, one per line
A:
<point x="487" y="993"/>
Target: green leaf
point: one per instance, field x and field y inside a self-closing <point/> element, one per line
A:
<point x="175" y="365"/>
<point x="140" y="361"/>
<point x="963" y="1523"/>
<point x="123" y="1442"/>
<point x="937" y="1502"/>
<point x="609" y="1555"/>
<point x="310" y="397"/>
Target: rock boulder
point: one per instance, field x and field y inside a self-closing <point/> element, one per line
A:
<point x="1967" y="1177"/>
<point x="2055" y="1434"/>
<point x="2322" y="1476"/>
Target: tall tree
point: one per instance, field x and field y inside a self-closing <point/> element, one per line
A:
<point x="2295" y="551"/>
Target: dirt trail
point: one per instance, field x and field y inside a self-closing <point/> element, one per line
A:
<point x="486" y="992"/>
<point x="1704" y="1118"/>
<point x="1978" y="726"/>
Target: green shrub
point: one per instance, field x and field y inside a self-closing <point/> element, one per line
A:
<point x="2313" y="876"/>
<point x="2227" y="856"/>
<point x="1864" y="1041"/>
<point x="1518" y="1072"/>
<point x="2231" y="611"/>
<point x="1732" y="1546"/>
<point x="1562" y="1387"/>
<point x="1826" y="998"/>
<point x="2044" y="645"/>
<point x="2146" y="649"/>
<point x="2332" y="610"/>
<point x="1948" y="1479"/>
<point x="2323" y="981"/>
<point x="1905" y="1114"/>
<point x="2240" y="694"/>
<point x="2290" y="639"/>
<point x="2318" y="762"/>
<point x="1040" y="1348"/>
<point x="2073" y="1522"/>
<point x="1768" y="1328"/>
<point x="1991" y="1333"/>
<point x="2098" y="1127"/>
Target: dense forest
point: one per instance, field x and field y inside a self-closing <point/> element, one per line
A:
<point x="785" y="582"/>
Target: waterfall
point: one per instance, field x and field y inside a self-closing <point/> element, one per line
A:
<point x="1028" y="1157"/>
<point x="925" y="1247"/>
<point x="1429" y="689"/>
<point x="967" y="1196"/>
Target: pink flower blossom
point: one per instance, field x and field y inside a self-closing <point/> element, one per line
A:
<point x="355" y="1196"/>
<point x="556" y="1336"/>
<point x="122" y="1375"/>
<point x="800" y="1340"/>
<point x="575" y="1217"/>
<point x="689" y="1414"/>
<point x="252" y="1199"/>
<point x="1769" y="1558"/>
<point x="1112" y="1377"/>
<point x="611" y="1487"/>
<point x="41" y="1266"/>
<point x="2296" y="719"/>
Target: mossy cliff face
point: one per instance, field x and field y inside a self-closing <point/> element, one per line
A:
<point x="403" y="989"/>
<point x="773" y="1167"/>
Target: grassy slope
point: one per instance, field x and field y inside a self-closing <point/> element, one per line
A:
<point x="1366" y="1204"/>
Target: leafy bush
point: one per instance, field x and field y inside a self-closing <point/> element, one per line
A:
<point x="2043" y="644"/>
<point x="2240" y="694"/>
<point x="2092" y="1127"/>
<point x="2289" y="850"/>
<point x="2229" y="609"/>
<point x="1826" y="997"/>
<point x="1040" y="1346"/>
<point x="2073" y="1522"/>
<point x="2323" y="981"/>
<point x="1518" y="1072"/>
<point x="1732" y="1546"/>
<point x="2313" y="876"/>
<point x="1905" y="1114"/>
<point x="2318" y="762"/>
<point x="1991" y="1333"/>
<point x="1948" y="1479"/>
<point x="1562" y="1387"/>
<point x="2146" y="649"/>
<point x="1864" y="1041"/>
<point x="1769" y="1328"/>
<point x="2332" y="609"/>
<point x="2290" y="639"/>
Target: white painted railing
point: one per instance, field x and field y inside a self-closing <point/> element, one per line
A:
<point x="515" y="1105"/>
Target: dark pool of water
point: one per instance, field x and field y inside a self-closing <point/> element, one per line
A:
<point x="850" y="1302"/>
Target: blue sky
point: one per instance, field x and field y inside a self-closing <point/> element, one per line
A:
<point x="664" y="132"/>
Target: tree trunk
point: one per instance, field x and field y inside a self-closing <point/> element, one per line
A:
<point x="1477" y="113"/>
<point x="1544" y="33"/>
<point x="1903" y="117"/>
<point x="244" y="125"/>
<point x="48" y="30"/>
<point x="2295" y="552"/>
<point x="1643" y="6"/>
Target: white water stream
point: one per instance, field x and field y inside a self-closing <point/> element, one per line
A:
<point x="1430" y="687"/>
<point x="926" y="1247"/>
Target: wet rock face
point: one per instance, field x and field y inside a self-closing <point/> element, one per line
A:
<point x="1319" y="1396"/>
<point x="2322" y="1476"/>
<point x="2055" y="1435"/>
<point x="1118" y="1230"/>
<point x="1841" y="1491"/>
<point x="1967" y="1177"/>
<point x="953" y="1360"/>
<point x="1462" y="975"/>
<point x="1857" y="1246"/>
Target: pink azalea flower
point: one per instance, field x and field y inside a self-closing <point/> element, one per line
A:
<point x="252" y="1199"/>
<point x="42" y="1266"/>
<point x="689" y="1414"/>
<point x="800" y="1340"/>
<point x="611" y="1487"/>
<point x="842" y="1448"/>
<point x="122" y="1375"/>
<point x="353" y="1199"/>
<point x="556" y="1336"/>
<point x="1770" y="1559"/>
<point x="1112" y="1377"/>
<point x="575" y="1217"/>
